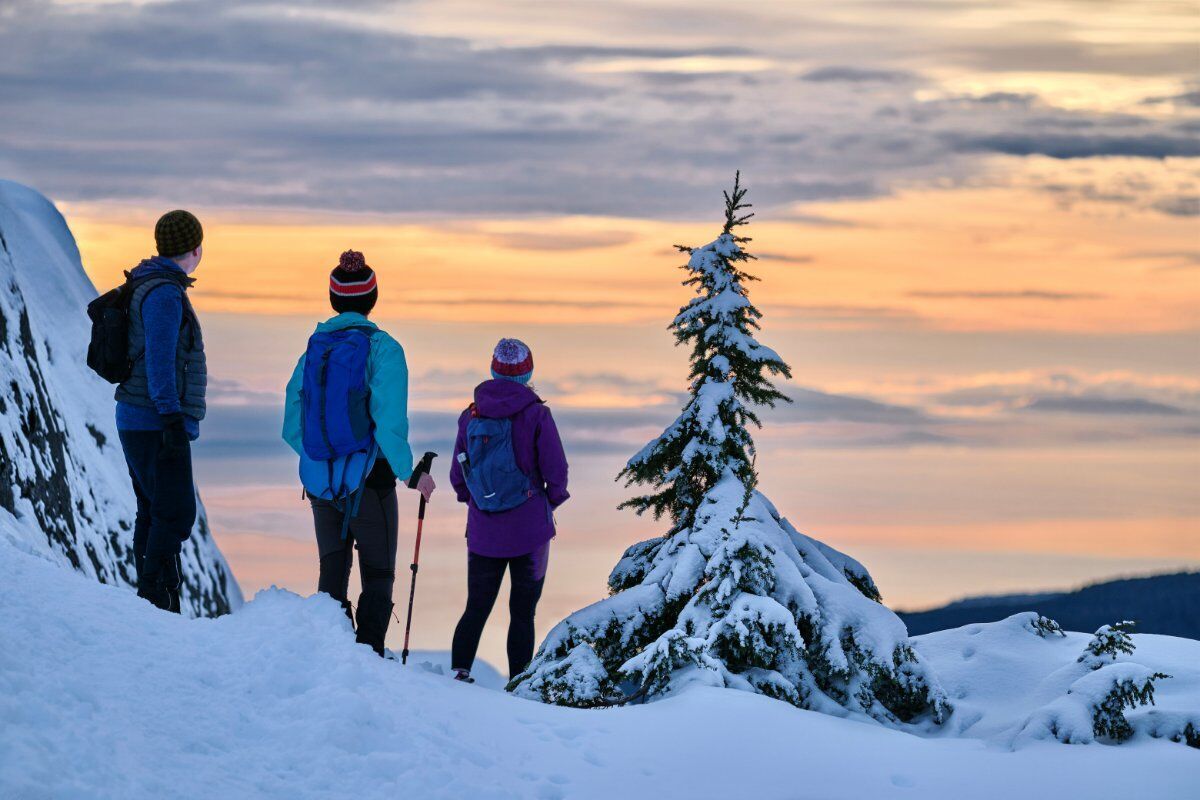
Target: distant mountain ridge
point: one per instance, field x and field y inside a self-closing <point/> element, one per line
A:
<point x="1164" y="604"/>
<point x="64" y="487"/>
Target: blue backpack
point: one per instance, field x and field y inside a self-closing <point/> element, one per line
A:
<point x="490" y="466"/>
<point x="337" y="431"/>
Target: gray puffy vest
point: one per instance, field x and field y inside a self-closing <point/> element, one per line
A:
<point x="191" y="373"/>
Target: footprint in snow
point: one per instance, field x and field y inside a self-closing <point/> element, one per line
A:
<point x="903" y="781"/>
<point x="968" y="652"/>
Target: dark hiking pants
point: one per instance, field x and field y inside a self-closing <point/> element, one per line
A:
<point x="166" y="512"/>
<point x="484" y="575"/>
<point x="373" y="532"/>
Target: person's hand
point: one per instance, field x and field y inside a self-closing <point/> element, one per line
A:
<point x="175" y="441"/>
<point x="425" y="486"/>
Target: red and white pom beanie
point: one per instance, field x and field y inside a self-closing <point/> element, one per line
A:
<point x="512" y="361"/>
<point x="353" y="285"/>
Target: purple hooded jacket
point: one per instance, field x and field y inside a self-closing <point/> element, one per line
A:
<point x="539" y="452"/>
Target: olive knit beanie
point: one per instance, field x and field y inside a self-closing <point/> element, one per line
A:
<point x="177" y="232"/>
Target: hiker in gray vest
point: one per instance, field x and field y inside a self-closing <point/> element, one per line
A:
<point x="161" y="403"/>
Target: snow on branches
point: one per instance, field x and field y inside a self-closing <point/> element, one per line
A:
<point x="732" y="596"/>
<point x="1109" y="642"/>
<point x="730" y="374"/>
<point x="1108" y="684"/>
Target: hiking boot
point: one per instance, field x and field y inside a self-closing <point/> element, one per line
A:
<point x="159" y="582"/>
<point x="158" y="596"/>
<point x="374" y="614"/>
<point x="463" y="675"/>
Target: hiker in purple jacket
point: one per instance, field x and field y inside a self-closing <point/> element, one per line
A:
<point x="517" y="539"/>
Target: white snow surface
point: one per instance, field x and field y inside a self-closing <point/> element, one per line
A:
<point x="1008" y="684"/>
<point x="104" y="696"/>
<point x="64" y="486"/>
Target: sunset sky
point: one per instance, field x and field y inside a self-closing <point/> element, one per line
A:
<point x="978" y="232"/>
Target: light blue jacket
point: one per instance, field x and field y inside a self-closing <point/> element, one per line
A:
<point x="387" y="378"/>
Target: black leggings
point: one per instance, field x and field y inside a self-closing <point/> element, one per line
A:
<point x="484" y="575"/>
<point x="373" y="532"/>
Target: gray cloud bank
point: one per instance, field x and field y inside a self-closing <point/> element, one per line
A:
<point x="1063" y="409"/>
<point x="257" y="104"/>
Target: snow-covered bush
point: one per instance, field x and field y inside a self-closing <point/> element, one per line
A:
<point x="1133" y="688"/>
<point x="1094" y="706"/>
<point x="1044" y="626"/>
<point x="732" y="595"/>
<point x="1107" y="644"/>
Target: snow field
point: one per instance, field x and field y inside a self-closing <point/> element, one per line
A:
<point x="103" y="696"/>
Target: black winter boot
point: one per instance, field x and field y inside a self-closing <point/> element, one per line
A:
<point x="159" y="582"/>
<point x="374" y="614"/>
<point x="157" y="595"/>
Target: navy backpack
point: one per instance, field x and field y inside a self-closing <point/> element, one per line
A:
<point x="338" y="435"/>
<point x="490" y="466"/>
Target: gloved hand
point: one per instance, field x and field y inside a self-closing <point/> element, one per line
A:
<point x="425" y="486"/>
<point x="175" y="441"/>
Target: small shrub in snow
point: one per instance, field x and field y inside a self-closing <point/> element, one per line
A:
<point x="732" y="595"/>
<point x="1107" y="644"/>
<point x="1044" y="626"/>
<point x="1108" y="716"/>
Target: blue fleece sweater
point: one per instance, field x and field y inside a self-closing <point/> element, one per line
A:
<point x="162" y="314"/>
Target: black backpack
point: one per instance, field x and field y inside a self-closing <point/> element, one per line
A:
<point x="108" y="350"/>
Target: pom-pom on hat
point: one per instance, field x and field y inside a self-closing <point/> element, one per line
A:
<point x="512" y="361"/>
<point x="352" y="284"/>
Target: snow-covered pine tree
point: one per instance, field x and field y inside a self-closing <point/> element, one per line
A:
<point x="731" y="373"/>
<point x="732" y="595"/>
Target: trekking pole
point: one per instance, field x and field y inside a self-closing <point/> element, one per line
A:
<point x="421" y="468"/>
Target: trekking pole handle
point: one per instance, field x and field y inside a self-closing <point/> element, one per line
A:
<point x="422" y="468"/>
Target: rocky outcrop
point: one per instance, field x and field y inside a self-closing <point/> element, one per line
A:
<point x="64" y="490"/>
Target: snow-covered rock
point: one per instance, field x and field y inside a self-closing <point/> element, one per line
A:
<point x="64" y="488"/>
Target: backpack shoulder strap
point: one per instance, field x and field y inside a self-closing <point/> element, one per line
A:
<point x="151" y="281"/>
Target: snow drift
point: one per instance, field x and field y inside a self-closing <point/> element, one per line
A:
<point x="277" y="701"/>
<point x="64" y="488"/>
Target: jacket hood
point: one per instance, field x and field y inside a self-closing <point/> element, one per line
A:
<point x="150" y="266"/>
<point x="347" y="319"/>
<point x="499" y="398"/>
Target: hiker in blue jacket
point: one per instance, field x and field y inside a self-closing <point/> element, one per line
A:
<point x="161" y="403"/>
<point x="368" y="520"/>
